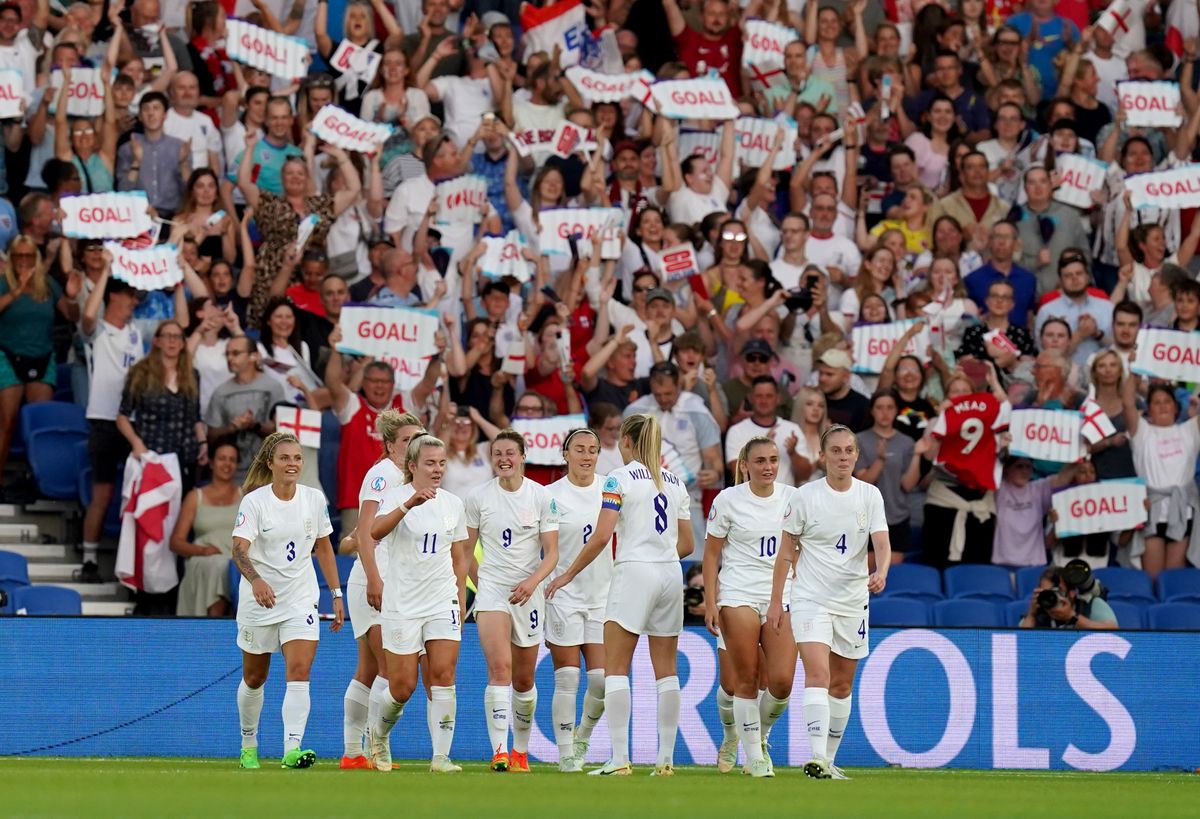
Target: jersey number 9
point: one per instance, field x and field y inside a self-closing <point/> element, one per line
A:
<point x="506" y="538"/>
<point x="660" y="513"/>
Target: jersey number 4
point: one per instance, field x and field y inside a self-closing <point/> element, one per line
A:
<point x="841" y="544"/>
<point x="660" y="513"/>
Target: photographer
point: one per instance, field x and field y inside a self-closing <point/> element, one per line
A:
<point x="1069" y="597"/>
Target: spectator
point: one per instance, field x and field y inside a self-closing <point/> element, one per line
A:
<point x="974" y="206"/>
<point x="212" y="329"/>
<point x="617" y="358"/>
<point x="1050" y="34"/>
<point x="244" y="405"/>
<point x="154" y="161"/>
<point x="211" y="65"/>
<point x="269" y="152"/>
<point x="836" y="254"/>
<point x="705" y="188"/>
<point x="1003" y="247"/>
<point x="391" y="98"/>
<point x="796" y="460"/>
<point x="192" y="127"/>
<point x="688" y="352"/>
<point x="929" y="148"/>
<point x="358" y="28"/>
<point x="468" y="466"/>
<point x="1091" y="548"/>
<point x="605" y="419"/>
<point x="306" y="293"/>
<point x="1046" y="229"/>
<point x="717" y="45"/>
<point x="1021" y="507"/>
<point x="845" y="405"/>
<point x="891" y="462"/>
<point x="89" y="144"/>
<point x="203" y="218"/>
<point x="202" y="537"/>
<point x="1088" y="315"/>
<point x="1069" y="609"/>
<point x="465" y="97"/>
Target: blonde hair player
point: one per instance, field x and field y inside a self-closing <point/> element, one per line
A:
<point x="644" y="505"/>
<point x="424" y="533"/>
<point x="744" y="523"/>
<point x="825" y="533"/>
<point x="575" y="618"/>
<point x="279" y="525"/>
<point x="517" y="521"/>
<point x="364" y="589"/>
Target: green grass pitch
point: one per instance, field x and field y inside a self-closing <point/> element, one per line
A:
<point x="212" y="788"/>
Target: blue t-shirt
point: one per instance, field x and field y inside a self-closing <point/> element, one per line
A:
<point x="267" y="171"/>
<point x="1045" y="48"/>
<point x="1024" y="286"/>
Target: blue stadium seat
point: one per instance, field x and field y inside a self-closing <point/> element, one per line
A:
<point x="1174" y="617"/>
<point x="979" y="582"/>
<point x="899" y="611"/>
<point x="1129" y="613"/>
<point x="1014" y="611"/>
<point x="51" y="454"/>
<point x="47" y="600"/>
<point x="966" y="612"/>
<point x="1126" y="584"/>
<point x="10" y="588"/>
<point x="235" y="580"/>
<point x="14" y="568"/>
<point x="52" y="415"/>
<point x="1028" y="578"/>
<point x="1179" y="585"/>
<point x="914" y="581"/>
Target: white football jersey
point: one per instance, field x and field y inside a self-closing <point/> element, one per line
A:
<point x="648" y="527"/>
<point x="510" y="526"/>
<point x="578" y="508"/>
<point x="379" y="480"/>
<point x="281" y="536"/>
<point x="420" y="579"/>
<point x="834" y="529"/>
<point x="751" y="527"/>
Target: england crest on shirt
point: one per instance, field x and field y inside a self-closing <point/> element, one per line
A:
<point x="862" y="521"/>
<point x="308" y="527"/>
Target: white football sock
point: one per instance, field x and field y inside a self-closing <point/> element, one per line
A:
<point x="770" y="709"/>
<point x="389" y="714"/>
<point x="593" y="703"/>
<point x="562" y="708"/>
<point x="749" y="727"/>
<point x="91" y="552"/>
<point x="378" y="686"/>
<point x="295" y="713"/>
<point x="495" y="707"/>
<point x="618" y="702"/>
<point x="725" y="712"/>
<point x="668" y="718"/>
<point x="816" y="714"/>
<point x="442" y="710"/>
<point x="524" y="703"/>
<point x="355" y="705"/>
<point x="839" y="716"/>
<point x="250" y="703"/>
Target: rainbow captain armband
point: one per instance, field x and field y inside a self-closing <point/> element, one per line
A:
<point x="611" y="495"/>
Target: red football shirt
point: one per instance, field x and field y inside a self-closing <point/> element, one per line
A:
<point x="699" y="54"/>
<point x="967" y="432"/>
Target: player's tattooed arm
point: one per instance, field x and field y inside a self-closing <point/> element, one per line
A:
<point x="241" y="559"/>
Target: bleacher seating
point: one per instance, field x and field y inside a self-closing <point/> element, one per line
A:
<point x="35" y="600"/>
<point x="1028" y="578"/>
<point x="968" y="612"/>
<point x="979" y="582"/>
<point x="14" y="568"/>
<point x="1126" y="584"/>
<point x="1014" y="611"/>
<point x="1130" y="614"/>
<point x="1174" y="617"/>
<point x="914" y="581"/>
<point x="899" y="611"/>
<point x="1177" y="585"/>
<point x="51" y="430"/>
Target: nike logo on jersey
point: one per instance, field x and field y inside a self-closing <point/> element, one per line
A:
<point x="268" y="528"/>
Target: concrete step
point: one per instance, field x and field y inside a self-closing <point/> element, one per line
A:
<point x="41" y="551"/>
<point x="92" y="591"/>
<point x="55" y="573"/>
<point x="107" y="608"/>
<point x="9" y="510"/>
<point x="19" y="532"/>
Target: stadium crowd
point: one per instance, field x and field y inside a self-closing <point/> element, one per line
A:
<point x="922" y="186"/>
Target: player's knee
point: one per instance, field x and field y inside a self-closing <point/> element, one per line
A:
<point x="254" y="679"/>
<point x="522" y="681"/>
<point x="746" y="691"/>
<point x="840" y="689"/>
<point x="401" y="690"/>
<point x="500" y="673"/>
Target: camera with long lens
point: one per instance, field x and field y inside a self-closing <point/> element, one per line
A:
<point x="801" y="298"/>
<point x="1048" y="599"/>
<point x="693" y="596"/>
<point x="1077" y="575"/>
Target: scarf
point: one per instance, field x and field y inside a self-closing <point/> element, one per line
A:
<point x="940" y="494"/>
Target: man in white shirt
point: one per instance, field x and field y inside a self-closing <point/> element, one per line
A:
<point x="549" y="98"/>
<point x="198" y="130"/>
<point x="705" y="189"/>
<point x="764" y="420"/>
<point x="21" y="44"/>
<point x="789" y="266"/>
<point x="410" y="202"/>
<point x="837" y="255"/>
<point x="466" y="99"/>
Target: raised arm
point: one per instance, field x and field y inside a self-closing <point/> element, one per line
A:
<point x="324" y="42"/>
<point x="349" y="194"/>
<point x="245" y="170"/>
<point x="62" y="130"/>
<point x="724" y="170"/>
<point x="675" y="21"/>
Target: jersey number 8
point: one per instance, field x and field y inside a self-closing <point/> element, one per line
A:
<point x="660" y="513"/>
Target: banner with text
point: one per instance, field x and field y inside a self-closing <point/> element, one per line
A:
<point x="1170" y="354"/>
<point x="703" y="143"/>
<point x="561" y="24"/>
<point x="1150" y="103"/>
<point x="756" y="135"/>
<point x="151" y="268"/>
<point x="85" y="95"/>
<point x="1177" y="188"/>
<point x="343" y="129"/>
<point x="596" y="87"/>
<point x="678" y="262"/>
<point x="1106" y="506"/>
<point x="364" y="62"/>
<point x="873" y="342"/>
<point x="544" y="437"/>
<point x="502" y="257"/>
<point x="703" y="98"/>
<point x="460" y="199"/>
<point x="106" y="215"/>
<point x="1078" y="178"/>
<point x="1047" y="435"/>
<point x="12" y="93"/>
<point x="531" y="139"/>
<point x="388" y="334"/>
<point x="762" y="51"/>
<point x="278" y="54"/>
<point x="558" y="225"/>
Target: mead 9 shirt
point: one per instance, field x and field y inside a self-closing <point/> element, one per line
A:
<point x="377" y="484"/>
<point x="834" y="529"/>
<point x="281" y="536"/>
<point x="510" y="525"/>
<point x="750" y="525"/>
<point x="578" y="508"/>
<point x="420" y="580"/>
<point x="967" y="431"/>
<point x="648" y="526"/>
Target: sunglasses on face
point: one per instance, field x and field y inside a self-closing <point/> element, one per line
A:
<point x="757" y="358"/>
<point x="730" y="236"/>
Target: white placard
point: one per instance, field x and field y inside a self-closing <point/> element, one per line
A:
<point x="349" y="58"/>
<point x="1096" y="424"/>
<point x="678" y="262"/>
<point x="1150" y="103"/>
<point x="559" y="224"/>
<point x="514" y="358"/>
<point x="459" y="199"/>
<point x="873" y="342"/>
<point x="85" y="97"/>
<point x="762" y="52"/>
<point x="12" y="93"/>
<point x="348" y="132"/>
<point x="544" y="437"/>
<point x="106" y="215"/>
<point x="305" y="424"/>
<point x="561" y="24"/>
<point x="754" y="137"/>
<point x="277" y="54"/>
<point x="1173" y="189"/>
<point x="611" y="244"/>
<point x="1106" y="506"/>
<point x="703" y="98"/>
<point x="304" y="230"/>
<point x="705" y="143"/>
<point x="151" y="268"/>
<point x="569" y="138"/>
<point x="1047" y="435"/>
<point x="531" y="139"/>
<point x="502" y="257"/>
<point x="1170" y="354"/>
<point x="1078" y="178"/>
<point x="388" y="333"/>
<point x="596" y="87"/>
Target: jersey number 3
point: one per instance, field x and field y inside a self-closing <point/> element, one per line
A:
<point x="660" y="513"/>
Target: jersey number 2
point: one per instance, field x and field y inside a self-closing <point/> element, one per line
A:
<point x="587" y="533"/>
<point x="660" y="513"/>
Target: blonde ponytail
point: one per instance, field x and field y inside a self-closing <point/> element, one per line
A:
<point x="259" y="474"/>
<point x="744" y="457"/>
<point x="418" y="442"/>
<point x="646" y="435"/>
<point x="388" y="425"/>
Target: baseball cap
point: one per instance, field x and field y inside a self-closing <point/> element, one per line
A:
<point x="494" y="18"/>
<point x="757" y="345"/>
<point x="838" y="359"/>
<point x="659" y="293"/>
<point x="624" y="145"/>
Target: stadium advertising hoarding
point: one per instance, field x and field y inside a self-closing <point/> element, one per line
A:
<point x="924" y="698"/>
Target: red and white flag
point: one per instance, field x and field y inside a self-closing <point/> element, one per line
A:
<point x="305" y="424"/>
<point x="562" y="24"/>
<point x="1183" y="22"/>
<point x="1096" y="424"/>
<point x="762" y="54"/>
